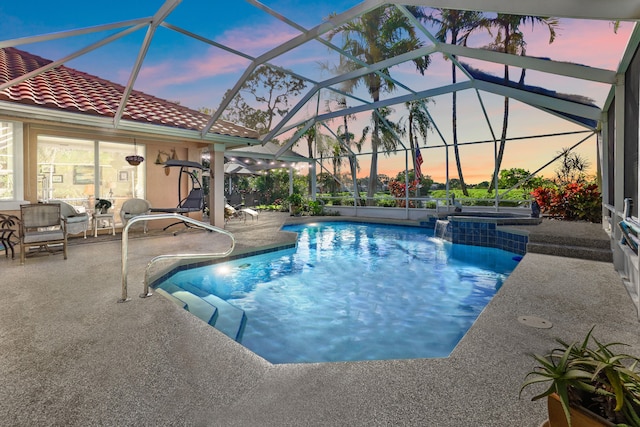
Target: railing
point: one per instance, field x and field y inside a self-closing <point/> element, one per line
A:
<point x="155" y="217"/>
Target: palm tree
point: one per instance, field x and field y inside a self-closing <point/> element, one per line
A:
<point x="338" y="151"/>
<point x="373" y="37"/>
<point x="321" y="141"/>
<point x="458" y="25"/>
<point x="511" y="40"/>
<point x="388" y="134"/>
<point x="418" y="124"/>
<point x="348" y="138"/>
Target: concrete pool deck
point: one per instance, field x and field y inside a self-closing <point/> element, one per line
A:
<point x="71" y="355"/>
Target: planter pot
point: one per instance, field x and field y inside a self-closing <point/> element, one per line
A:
<point x="580" y="417"/>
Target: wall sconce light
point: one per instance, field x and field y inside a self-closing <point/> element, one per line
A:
<point x="160" y="161"/>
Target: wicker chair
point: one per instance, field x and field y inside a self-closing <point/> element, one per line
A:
<point x="132" y="208"/>
<point x="42" y="225"/>
<point x="77" y="222"/>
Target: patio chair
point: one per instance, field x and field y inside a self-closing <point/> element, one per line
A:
<point x="9" y="234"/>
<point x="249" y="212"/>
<point x="134" y="207"/>
<point x="230" y="212"/>
<point x="194" y="202"/>
<point x="42" y="225"/>
<point x="77" y="222"/>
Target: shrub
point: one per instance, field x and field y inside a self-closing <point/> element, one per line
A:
<point x="316" y="208"/>
<point x="399" y="191"/>
<point x="430" y="205"/>
<point x="385" y="200"/>
<point x="573" y="202"/>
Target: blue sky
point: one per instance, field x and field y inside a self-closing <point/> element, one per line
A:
<point x="197" y="75"/>
<point x="173" y="59"/>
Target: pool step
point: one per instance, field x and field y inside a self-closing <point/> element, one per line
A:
<point x="230" y="320"/>
<point x="195" y="305"/>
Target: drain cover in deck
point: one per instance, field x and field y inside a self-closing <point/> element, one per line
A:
<point x="535" y="322"/>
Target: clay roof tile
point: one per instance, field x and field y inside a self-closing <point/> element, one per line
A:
<point x="72" y="90"/>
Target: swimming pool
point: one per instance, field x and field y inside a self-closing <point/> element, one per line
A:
<point x="353" y="291"/>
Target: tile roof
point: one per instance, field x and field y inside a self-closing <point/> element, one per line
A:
<point x="71" y="90"/>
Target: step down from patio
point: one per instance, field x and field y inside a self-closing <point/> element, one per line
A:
<point x="230" y="320"/>
<point x="195" y="305"/>
<point x="595" y="249"/>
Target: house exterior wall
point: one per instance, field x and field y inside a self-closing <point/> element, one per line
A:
<point x="161" y="190"/>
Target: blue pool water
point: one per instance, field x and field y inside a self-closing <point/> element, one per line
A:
<point x="353" y="291"/>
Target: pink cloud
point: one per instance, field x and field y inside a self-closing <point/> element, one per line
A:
<point x="257" y="39"/>
<point x="592" y="43"/>
<point x="216" y="62"/>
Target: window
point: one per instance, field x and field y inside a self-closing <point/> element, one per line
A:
<point x="11" y="183"/>
<point x="80" y="171"/>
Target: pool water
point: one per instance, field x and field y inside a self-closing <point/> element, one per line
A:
<point x="353" y="291"/>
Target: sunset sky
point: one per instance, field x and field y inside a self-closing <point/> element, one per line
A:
<point x="197" y="75"/>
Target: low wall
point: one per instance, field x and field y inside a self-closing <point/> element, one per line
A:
<point x="416" y="214"/>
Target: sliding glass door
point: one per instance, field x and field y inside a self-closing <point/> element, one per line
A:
<point x="81" y="171"/>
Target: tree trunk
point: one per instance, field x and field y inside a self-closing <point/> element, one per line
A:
<point x="456" y="151"/>
<point x="352" y="163"/>
<point x="373" y="172"/>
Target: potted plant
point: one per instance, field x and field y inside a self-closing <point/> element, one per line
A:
<point x="295" y="204"/>
<point x="102" y="206"/>
<point x="590" y="382"/>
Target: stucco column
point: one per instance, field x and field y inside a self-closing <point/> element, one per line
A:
<point x="216" y="186"/>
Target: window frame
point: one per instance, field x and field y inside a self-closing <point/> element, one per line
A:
<point x="18" y="170"/>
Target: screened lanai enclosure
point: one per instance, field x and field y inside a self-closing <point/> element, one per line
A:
<point x="362" y="87"/>
<point x="397" y="106"/>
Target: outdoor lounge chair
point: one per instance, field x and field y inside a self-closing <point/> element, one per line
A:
<point x="238" y="212"/>
<point x="77" y="222"/>
<point x="194" y="202"/>
<point x="134" y="207"/>
<point x="42" y="225"/>
<point x="249" y="212"/>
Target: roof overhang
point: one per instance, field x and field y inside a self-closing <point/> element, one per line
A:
<point x="29" y="112"/>
<point x="268" y="151"/>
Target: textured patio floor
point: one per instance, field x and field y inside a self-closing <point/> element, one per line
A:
<point x="71" y="355"/>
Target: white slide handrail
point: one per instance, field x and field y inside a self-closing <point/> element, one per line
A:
<point x="155" y="217"/>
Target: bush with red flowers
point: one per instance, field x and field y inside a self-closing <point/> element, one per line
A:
<point x="399" y="191"/>
<point x="573" y="202"/>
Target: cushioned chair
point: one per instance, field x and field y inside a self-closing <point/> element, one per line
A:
<point x="229" y="212"/>
<point x="77" y="222"/>
<point x="132" y="208"/>
<point x="42" y="225"/>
